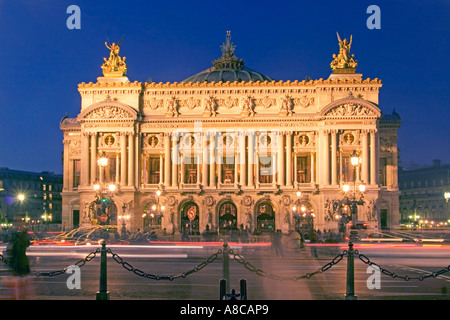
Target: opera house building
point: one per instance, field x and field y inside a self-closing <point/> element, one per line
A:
<point x="230" y="148"/>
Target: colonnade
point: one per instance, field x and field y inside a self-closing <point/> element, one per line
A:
<point x="324" y="158"/>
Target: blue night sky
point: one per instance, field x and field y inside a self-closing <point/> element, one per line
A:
<point x="42" y="61"/>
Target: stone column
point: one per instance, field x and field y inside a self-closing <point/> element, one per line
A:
<point x="289" y="159"/>
<point x="242" y="164"/>
<point x="175" y="157"/>
<point x="251" y="159"/>
<point x="280" y="159"/>
<point x="258" y="173"/>
<point x="94" y="158"/>
<point x="236" y="162"/>
<point x="183" y="169"/>
<point x="84" y="174"/>
<point x="333" y="158"/>
<point x="166" y="159"/>
<point x="274" y="170"/>
<point x="326" y="158"/>
<point x="197" y="157"/>
<point x="131" y="159"/>
<point x="146" y="167"/>
<point x="365" y="157"/>
<point x="161" y="168"/>
<point x="295" y="170"/>
<point x="205" y="155"/>
<point x="212" y="162"/>
<point x="313" y="169"/>
<point x="123" y="159"/>
<point x="373" y="157"/>
<point x="67" y="172"/>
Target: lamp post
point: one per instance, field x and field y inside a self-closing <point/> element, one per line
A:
<point x="104" y="192"/>
<point x="47" y="217"/>
<point x="447" y="197"/>
<point x="301" y="212"/>
<point x="351" y="200"/>
<point x="124" y="217"/>
<point x="21" y="198"/>
<point x="156" y="212"/>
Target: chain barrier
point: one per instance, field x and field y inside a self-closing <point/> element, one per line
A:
<point x="79" y="264"/>
<point x="420" y="277"/>
<point x="241" y="260"/>
<point x="238" y="258"/>
<point x="143" y="274"/>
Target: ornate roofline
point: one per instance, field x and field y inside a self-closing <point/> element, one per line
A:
<point x="205" y="84"/>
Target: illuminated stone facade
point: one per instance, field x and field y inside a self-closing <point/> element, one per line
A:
<point x="231" y="149"/>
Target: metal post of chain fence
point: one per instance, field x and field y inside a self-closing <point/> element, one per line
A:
<point x="103" y="294"/>
<point x="226" y="265"/>
<point x="350" y="292"/>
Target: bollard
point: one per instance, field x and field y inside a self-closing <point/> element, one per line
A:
<point x="222" y="289"/>
<point x="226" y="265"/>
<point x="243" y="287"/>
<point x="350" y="293"/>
<point x="103" y="294"/>
<point x="224" y="295"/>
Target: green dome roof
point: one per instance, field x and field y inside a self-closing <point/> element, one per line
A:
<point x="228" y="68"/>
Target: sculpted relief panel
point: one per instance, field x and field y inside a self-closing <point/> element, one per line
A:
<point x="243" y="103"/>
<point x="350" y="109"/>
<point x="108" y="112"/>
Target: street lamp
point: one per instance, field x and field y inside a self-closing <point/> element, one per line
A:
<point x="21" y="198"/>
<point x="124" y="217"/>
<point x="446" y="196"/>
<point x="352" y="201"/>
<point x="104" y="192"/>
<point x="302" y="213"/>
<point x="47" y="217"/>
<point x="156" y="212"/>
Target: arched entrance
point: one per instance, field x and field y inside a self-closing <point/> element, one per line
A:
<point x="190" y="218"/>
<point x="227" y="216"/>
<point x="265" y="217"/>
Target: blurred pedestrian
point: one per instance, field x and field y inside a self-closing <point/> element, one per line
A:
<point x="276" y="243"/>
<point x="19" y="284"/>
<point x="19" y="260"/>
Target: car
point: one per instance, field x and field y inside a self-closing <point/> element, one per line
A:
<point x="360" y="225"/>
<point x="381" y="237"/>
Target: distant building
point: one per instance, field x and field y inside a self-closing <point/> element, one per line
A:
<point x="41" y="197"/>
<point x="422" y="191"/>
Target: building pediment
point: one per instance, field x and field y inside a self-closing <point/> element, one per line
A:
<point x="351" y="107"/>
<point x="108" y="110"/>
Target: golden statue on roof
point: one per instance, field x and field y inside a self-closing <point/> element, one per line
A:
<point x="344" y="62"/>
<point x="114" y="66"/>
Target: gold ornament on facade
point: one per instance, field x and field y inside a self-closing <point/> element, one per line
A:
<point x="344" y="62"/>
<point x="114" y="66"/>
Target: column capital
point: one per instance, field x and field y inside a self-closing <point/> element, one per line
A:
<point x="334" y="131"/>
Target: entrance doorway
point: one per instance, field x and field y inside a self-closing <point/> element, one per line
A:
<point x="265" y="217"/>
<point x="190" y="219"/>
<point x="227" y="217"/>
